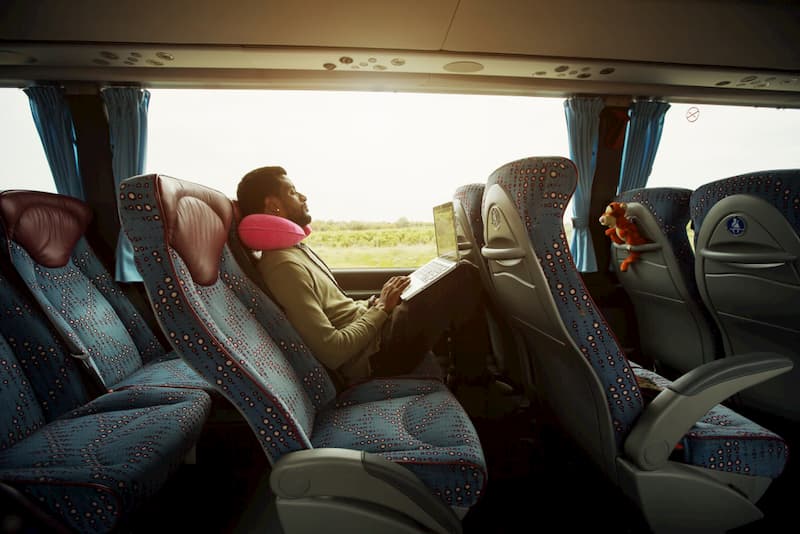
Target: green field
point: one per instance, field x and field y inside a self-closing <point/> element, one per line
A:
<point x="372" y="245"/>
<point x="357" y="244"/>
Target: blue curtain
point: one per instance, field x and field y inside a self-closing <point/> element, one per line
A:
<point x="56" y="130"/>
<point x="583" y="122"/>
<point x="127" y="123"/>
<point x="641" y="144"/>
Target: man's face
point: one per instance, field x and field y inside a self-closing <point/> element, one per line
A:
<point x="291" y="203"/>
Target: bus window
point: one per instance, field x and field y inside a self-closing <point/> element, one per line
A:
<point x="704" y="143"/>
<point x="372" y="164"/>
<point x="24" y="162"/>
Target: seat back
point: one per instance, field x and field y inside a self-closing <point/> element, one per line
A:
<point x="22" y="414"/>
<point x="748" y="273"/>
<point x="509" y="355"/>
<point x="581" y="373"/>
<point x="215" y="316"/>
<point x="53" y="374"/>
<point x="661" y="283"/>
<point x="43" y="236"/>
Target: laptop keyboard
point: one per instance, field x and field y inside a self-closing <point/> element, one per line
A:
<point x="429" y="271"/>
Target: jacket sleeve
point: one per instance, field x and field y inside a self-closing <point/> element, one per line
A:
<point x="293" y="287"/>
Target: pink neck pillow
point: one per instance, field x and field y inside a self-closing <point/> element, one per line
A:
<point x="260" y="231"/>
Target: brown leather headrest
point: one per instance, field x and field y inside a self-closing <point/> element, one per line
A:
<point x="197" y="220"/>
<point x="46" y="225"/>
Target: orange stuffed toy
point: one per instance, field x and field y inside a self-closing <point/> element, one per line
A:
<point x="622" y="230"/>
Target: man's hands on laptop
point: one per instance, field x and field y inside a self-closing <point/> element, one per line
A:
<point x="390" y="293"/>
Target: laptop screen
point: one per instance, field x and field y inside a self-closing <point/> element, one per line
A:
<point x="444" y="223"/>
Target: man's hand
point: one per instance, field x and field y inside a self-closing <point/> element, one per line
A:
<point x="390" y="293"/>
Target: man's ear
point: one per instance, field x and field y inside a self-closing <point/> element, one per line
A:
<point x="272" y="205"/>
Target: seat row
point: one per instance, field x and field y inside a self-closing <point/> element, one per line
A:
<point x="733" y="289"/>
<point x="97" y="415"/>
<point x="101" y="415"/>
<point x="685" y="459"/>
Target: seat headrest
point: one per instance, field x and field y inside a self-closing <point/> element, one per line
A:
<point x="471" y="196"/>
<point x="196" y="221"/>
<point x="46" y="225"/>
<point x="261" y="231"/>
<point x="779" y="187"/>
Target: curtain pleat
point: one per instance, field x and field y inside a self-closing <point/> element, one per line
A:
<point x="127" y="123"/>
<point x="583" y="122"/>
<point x="57" y="132"/>
<point x="641" y="144"/>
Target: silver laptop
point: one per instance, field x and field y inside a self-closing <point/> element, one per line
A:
<point x="444" y="226"/>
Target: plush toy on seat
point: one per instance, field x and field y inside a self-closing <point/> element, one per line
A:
<point x="622" y="231"/>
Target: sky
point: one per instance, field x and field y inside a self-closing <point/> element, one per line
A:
<point x="385" y="156"/>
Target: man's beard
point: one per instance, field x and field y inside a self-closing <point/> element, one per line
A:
<point x="303" y="219"/>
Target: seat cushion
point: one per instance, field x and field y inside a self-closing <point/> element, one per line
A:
<point x="98" y="463"/>
<point x="723" y="440"/>
<point x="169" y="371"/>
<point x="416" y="423"/>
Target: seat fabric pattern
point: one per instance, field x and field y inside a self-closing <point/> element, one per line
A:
<point x="100" y="462"/>
<point x="91" y="463"/>
<point x="670" y="208"/>
<point x="412" y="423"/>
<point x="55" y="376"/>
<point x="146" y="342"/>
<point x="541" y="189"/>
<point x="781" y="188"/>
<point x="235" y="336"/>
<point x="112" y="336"/>
<point x="471" y="197"/>
<point x="723" y="440"/>
<point x="22" y="414"/>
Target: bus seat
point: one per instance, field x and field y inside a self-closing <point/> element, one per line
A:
<point x="748" y="272"/>
<point x="44" y="240"/>
<point x="509" y="362"/>
<point x="683" y="458"/>
<point x="675" y="328"/>
<point x="80" y="461"/>
<point x="383" y="454"/>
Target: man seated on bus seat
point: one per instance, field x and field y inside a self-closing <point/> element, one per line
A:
<point x="356" y="339"/>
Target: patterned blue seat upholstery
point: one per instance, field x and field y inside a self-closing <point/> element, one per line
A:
<point x="236" y="337"/>
<point x="89" y="464"/>
<point x="44" y="239"/>
<point x="747" y="240"/>
<point x="678" y="456"/>
<point x="661" y="283"/>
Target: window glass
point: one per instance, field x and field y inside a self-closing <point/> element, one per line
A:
<point x="703" y="143"/>
<point x="24" y="162"/>
<point x="372" y="165"/>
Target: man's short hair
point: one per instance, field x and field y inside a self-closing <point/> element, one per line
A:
<point x="255" y="186"/>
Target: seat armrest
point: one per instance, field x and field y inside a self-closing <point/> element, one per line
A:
<point x="326" y="473"/>
<point x="645" y="247"/>
<point x="673" y="412"/>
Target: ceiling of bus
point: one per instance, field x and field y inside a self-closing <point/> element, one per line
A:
<point x="487" y="45"/>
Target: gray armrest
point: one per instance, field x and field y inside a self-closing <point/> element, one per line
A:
<point x="673" y="412"/>
<point x="514" y="253"/>
<point x="351" y="475"/>
<point x="646" y="247"/>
